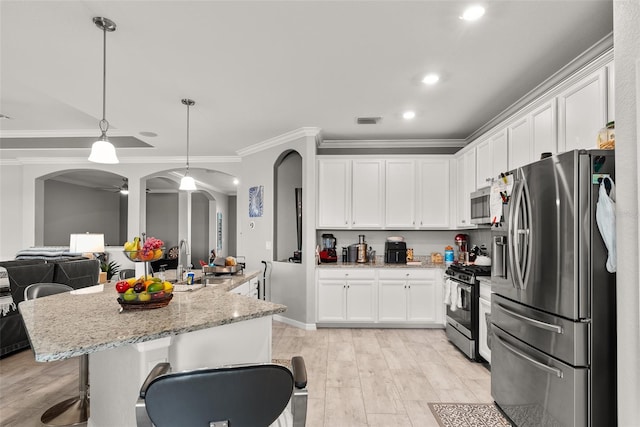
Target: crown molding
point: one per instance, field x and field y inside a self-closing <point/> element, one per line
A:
<point x="180" y="160"/>
<point x="390" y="143"/>
<point x="303" y="132"/>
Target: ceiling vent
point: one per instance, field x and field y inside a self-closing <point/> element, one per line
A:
<point x="368" y="120"/>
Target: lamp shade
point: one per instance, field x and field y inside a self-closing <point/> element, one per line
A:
<point x="187" y="183"/>
<point x="86" y="243"/>
<point x="102" y="151"/>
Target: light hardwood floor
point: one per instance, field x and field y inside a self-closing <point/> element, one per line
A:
<point x="357" y="377"/>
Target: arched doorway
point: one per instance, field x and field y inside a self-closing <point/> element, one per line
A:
<point x="288" y="207"/>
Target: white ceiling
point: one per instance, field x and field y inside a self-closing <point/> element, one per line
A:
<point x="260" y="69"/>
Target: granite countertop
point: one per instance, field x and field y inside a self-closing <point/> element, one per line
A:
<point x="66" y="325"/>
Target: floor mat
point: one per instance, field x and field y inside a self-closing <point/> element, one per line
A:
<point x="468" y="415"/>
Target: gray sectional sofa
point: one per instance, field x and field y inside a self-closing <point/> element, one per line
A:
<point x="76" y="272"/>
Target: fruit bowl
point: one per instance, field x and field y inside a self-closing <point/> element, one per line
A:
<point x="145" y="254"/>
<point x="156" y="300"/>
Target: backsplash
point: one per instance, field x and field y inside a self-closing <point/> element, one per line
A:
<point x="423" y="242"/>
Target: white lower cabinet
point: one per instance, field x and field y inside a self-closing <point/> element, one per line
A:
<point x="381" y="296"/>
<point x="346" y="295"/>
<point x="484" y="314"/>
<point x="409" y="296"/>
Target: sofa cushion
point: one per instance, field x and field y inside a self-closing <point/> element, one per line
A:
<point x="21" y="276"/>
<point x="77" y="274"/>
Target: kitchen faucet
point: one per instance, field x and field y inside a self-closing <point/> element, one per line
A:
<point x="180" y="269"/>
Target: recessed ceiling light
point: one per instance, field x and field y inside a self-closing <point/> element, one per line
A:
<point x="430" y="79"/>
<point x="472" y="13"/>
<point x="236" y="181"/>
<point x="408" y="115"/>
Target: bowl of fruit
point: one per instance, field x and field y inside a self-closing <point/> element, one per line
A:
<point x="144" y="293"/>
<point x="151" y="249"/>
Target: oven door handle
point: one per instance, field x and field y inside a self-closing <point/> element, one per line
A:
<point x="537" y="323"/>
<point x="548" y="369"/>
<point x="465" y="287"/>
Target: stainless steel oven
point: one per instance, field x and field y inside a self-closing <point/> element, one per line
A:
<point x="462" y="314"/>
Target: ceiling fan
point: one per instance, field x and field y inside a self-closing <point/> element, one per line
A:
<point x="123" y="189"/>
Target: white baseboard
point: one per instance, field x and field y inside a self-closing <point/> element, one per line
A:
<point x="297" y="324"/>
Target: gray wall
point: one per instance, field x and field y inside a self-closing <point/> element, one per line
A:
<point x="70" y="208"/>
<point x="288" y="178"/>
<point x="162" y="217"/>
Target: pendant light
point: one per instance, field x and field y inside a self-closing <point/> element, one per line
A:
<point x="187" y="182"/>
<point x="102" y="151"/>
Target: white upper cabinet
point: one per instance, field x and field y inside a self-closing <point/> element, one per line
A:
<point x="519" y="135"/>
<point x="367" y="193"/>
<point x="500" y="158"/>
<point x="582" y="111"/>
<point x="543" y="130"/>
<point x="484" y="160"/>
<point x="350" y="193"/>
<point x="334" y="193"/>
<point x="611" y="84"/>
<point x="465" y="185"/>
<point x="417" y="193"/>
<point x="400" y="193"/>
<point x="433" y="193"/>
<point x="491" y="158"/>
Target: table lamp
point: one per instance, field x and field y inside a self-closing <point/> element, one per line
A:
<point x="87" y="244"/>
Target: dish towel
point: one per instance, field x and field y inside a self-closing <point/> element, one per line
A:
<point x="606" y="219"/>
<point x="458" y="298"/>
<point x="450" y="292"/>
<point x="6" y="300"/>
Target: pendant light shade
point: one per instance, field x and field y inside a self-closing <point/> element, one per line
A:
<point x="102" y="151"/>
<point x="187" y="183"/>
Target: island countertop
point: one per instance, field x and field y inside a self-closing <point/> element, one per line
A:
<point x="68" y="325"/>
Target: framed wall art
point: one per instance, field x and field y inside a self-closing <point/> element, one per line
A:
<point x="256" y="196"/>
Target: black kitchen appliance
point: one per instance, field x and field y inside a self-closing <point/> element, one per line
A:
<point x="395" y="252"/>
<point x="462" y="322"/>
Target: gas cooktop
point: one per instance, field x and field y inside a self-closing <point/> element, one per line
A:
<point x="471" y="269"/>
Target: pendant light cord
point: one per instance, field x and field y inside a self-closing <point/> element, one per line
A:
<point x="104" y="124"/>
<point x="188" y="107"/>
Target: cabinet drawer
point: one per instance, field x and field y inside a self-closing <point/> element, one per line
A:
<point x="405" y="274"/>
<point x="346" y="273"/>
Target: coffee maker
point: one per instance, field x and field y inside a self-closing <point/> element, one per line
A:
<point x="328" y="252"/>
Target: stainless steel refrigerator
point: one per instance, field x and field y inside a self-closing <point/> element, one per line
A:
<point x="553" y="348"/>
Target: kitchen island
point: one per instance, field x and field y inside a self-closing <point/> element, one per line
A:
<point x="205" y="327"/>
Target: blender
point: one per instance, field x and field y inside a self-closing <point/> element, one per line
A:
<point x="328" y="252"/>
<point x="462" y="242"/>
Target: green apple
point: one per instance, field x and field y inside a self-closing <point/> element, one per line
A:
<point x="129" y="295"/>
<point x="144" y="296"/>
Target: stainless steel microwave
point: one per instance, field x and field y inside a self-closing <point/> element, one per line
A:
<point x="480" y="213"/>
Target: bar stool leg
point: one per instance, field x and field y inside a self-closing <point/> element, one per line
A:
<point x="72" y="411"/>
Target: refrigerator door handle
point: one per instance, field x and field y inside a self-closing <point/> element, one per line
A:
<point x="512" y="239"/>
<point x="548" y="369"/>
<point x="537" y="323"/>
